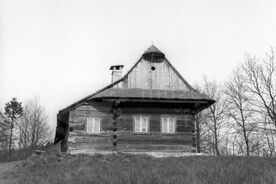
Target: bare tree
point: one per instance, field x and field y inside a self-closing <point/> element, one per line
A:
<point x="33" y="128"/>
<point x="261" y="81"/>
<point x="266" y="136"/>
<point x="215" y="117"/>
<point x="239" y="109"/>
<point x="202" y="134"/>
<point x="204" y="141"/>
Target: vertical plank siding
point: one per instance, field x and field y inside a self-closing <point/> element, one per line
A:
<point x="163" y="77"/>
<point x="127" y="140"/>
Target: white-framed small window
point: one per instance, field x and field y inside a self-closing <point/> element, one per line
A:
<point x="93" y="125"/>
<point x="168" y="124"/>
<point x="141" y="124"/>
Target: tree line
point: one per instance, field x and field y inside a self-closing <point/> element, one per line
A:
<point x="25" y="126"/>
<point x="243" y="119"/>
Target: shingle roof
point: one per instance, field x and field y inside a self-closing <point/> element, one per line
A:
<point x="149" y="94"/>
<point x="155" y="50"/>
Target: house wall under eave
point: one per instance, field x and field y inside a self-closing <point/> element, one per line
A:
<point x="81" y="142"/>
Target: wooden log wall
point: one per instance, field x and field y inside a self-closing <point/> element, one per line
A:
<point x="121" y="129"/>
<point x="154" y="140"/>
<point x="79" y="140"/>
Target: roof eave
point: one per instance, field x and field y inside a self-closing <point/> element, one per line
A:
<point x="83" y="100"/>
<point x="176" y="100"/>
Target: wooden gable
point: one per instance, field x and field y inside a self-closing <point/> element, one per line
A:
<point x="154" y="71"/>
<point x="154" y="75"/>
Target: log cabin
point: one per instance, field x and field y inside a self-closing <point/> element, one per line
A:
<point x="149" y="109"/>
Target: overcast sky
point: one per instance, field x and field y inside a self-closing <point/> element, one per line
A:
<point x="61" y="50"/>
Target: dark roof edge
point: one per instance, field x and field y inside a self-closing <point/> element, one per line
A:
<point x="81" y="101"/>
<point x="180" y="76"/>
<point x="125" y="76"/>
<point x="157" y="98"/>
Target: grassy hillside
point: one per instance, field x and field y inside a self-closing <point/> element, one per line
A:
<point x="130" y="169"/>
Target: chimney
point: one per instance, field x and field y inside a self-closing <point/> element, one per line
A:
<point x="116" y="73"/>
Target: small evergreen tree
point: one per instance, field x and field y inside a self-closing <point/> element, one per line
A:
<point x="13" y="110"/>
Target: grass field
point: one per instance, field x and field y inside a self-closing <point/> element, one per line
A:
<point x="140" y="169"/>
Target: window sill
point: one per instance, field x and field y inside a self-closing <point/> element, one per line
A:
<point x="93" y="133"/>
<point x="166" y="133"/>
<point x="141" y="133"/>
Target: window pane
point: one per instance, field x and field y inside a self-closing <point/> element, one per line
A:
<point x="137" y="119"/>
<point x="137" y="124"/>
<point x="97" y="125"/>
<point x="144" y="126"/>
<point x="89" y="125"/>
<point x="93" y="126"/>
<point x="144" y="120"/>
<point x="171" y="127"/>
<point x="164" y="125"/>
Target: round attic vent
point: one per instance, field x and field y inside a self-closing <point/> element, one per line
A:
<point x="152" y="68"/>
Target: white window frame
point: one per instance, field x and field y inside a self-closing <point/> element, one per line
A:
<point x="138" y="126"/>
<point x="168" y="124"/>
<point x="94" y="130"/>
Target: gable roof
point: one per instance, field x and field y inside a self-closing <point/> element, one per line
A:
<point x="109" y="92"/>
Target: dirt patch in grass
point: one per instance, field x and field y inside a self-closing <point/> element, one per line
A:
<point x="130" y="169"/>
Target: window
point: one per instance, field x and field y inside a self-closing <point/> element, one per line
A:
<point x="141" y="124"/>
<point x="93" y="125"/>
<point x="168" y="124"/>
